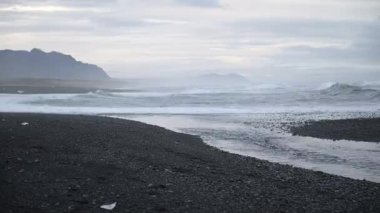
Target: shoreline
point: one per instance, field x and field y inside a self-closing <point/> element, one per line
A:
<point x="78" y="163"/>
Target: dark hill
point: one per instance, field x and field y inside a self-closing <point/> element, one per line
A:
<point x="38" y="64"/>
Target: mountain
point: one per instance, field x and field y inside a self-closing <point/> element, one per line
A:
<point x="231" y="79"/>
<point x="37" y="64"/>
<point x="225" y="77"/>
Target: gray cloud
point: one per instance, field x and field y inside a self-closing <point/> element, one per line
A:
<point x="58" y="2"/>
<point x="308" y="27"/>
<point x="149" y="37"/>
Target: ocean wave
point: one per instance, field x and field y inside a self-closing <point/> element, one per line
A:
<point x="339" y="89"/>
<point x="182" y="92"/>
<point x="371" y="85"/>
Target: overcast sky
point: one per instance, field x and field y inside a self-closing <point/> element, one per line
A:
<point x="267" y="40"/>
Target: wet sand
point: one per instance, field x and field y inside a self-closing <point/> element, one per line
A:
<point x="71" y="163"/>
<point x="347" y="129"/>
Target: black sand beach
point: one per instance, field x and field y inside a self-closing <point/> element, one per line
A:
<point x="348" y="129"/>
<point x="71" y="163"/>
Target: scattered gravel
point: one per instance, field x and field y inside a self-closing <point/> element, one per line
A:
<point x="364" y="129"/>
<point x="72" y="163"/>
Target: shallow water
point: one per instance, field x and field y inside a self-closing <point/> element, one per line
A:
<point x="253" y="135"/>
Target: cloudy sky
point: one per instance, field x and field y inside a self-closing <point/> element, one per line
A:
<point x="266" y="40"/>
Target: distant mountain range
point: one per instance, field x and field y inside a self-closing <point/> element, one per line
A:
<point x="37" y="64"/>
<point x="223" y="78"/>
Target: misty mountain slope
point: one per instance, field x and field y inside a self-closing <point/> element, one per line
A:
<point x="37" y="64"/>
<point x="198" y="83"/>
<point x="221" y="80"/>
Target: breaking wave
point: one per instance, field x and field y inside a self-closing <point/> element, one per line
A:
<point x="339" y="89"/>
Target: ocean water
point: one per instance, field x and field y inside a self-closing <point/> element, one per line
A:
<point x="246" y="120"/>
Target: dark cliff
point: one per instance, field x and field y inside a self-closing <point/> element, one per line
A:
<point x="37" y="64"/>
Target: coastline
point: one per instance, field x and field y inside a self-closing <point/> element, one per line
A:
<point x="60" y="163"/>
<point x="55" y="86"/>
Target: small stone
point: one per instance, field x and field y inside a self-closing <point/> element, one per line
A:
<point x="109" y="206"/>
<point x="162" y="186"/>
<point x="168" y="170"/>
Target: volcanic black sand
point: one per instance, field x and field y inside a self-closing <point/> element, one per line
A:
<point x="348" y="129"/>
<point x="62" y="163"/>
